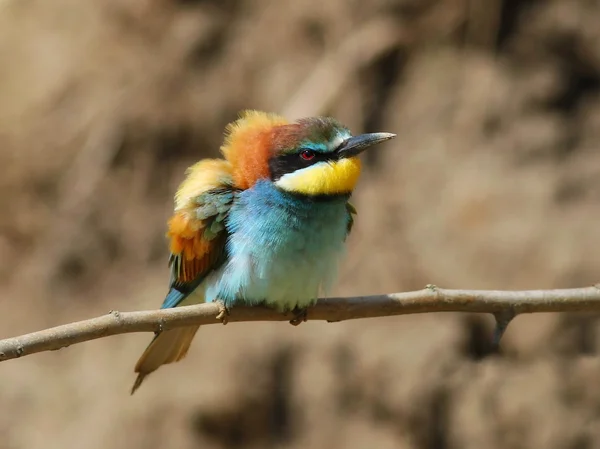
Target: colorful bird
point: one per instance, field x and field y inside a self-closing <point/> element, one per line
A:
<point x="265" y="225"/>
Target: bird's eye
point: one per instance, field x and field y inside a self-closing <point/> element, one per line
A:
<point x="307" y="155"/>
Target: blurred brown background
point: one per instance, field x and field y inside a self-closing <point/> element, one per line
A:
<point x="493" y="182"/>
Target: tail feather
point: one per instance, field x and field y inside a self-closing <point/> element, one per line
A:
<point x="167" y="347"/>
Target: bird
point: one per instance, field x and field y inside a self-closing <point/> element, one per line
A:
<point x="264" y="224"/>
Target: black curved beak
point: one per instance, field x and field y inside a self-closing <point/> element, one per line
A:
<point x="357" y="144"/>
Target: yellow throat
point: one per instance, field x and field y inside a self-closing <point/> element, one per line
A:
<point x="326" y="178"/>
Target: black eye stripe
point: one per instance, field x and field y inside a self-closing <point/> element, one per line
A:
<point x="289" y="163"/>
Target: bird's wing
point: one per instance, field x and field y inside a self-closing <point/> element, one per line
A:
<point x="198" y="237"/>
<point x="351" y="213"/>
<point x="197" y="241"/>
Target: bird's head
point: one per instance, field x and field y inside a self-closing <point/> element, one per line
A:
<point x="315" y="156"/>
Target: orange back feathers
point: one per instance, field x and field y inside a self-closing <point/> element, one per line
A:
<point x="247" y="146"/>
<point x="246" y="150"/>
<point x="185" y="232"/>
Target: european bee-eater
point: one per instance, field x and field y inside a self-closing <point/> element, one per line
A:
<point x="265" y="224"/>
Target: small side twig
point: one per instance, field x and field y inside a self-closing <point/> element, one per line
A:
<point x="504" y="305"/>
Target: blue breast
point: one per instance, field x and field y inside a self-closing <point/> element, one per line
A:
<point x="283" y="250"/>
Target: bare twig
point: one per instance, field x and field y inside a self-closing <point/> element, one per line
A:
<point x="504" y="305"/>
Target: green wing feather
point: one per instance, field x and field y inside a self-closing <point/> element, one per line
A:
<point x="351" y="212"/>
<point x="211" y="210"/>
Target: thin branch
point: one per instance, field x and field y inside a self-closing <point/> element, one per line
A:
<point x="504" y="305"/>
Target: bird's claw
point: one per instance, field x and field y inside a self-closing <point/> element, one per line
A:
<point x="300" y="316"/>
<point x="223" y="315"/>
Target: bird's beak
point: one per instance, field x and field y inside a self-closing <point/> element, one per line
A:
<point x="357" y="144"/>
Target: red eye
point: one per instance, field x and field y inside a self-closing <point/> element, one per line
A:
<point x="307" y="155"/>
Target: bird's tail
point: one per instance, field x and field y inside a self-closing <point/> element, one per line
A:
<point x="167" y="347"/>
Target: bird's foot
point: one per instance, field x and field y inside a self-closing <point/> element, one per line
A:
<point x="300" y="315"/>
<point x="223" y="315"/>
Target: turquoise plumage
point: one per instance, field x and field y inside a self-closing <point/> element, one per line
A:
<point x="282" y="250"/>
<point x="266" y="225"/>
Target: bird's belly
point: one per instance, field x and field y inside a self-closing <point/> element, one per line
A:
<point x="281" y="258"/>
<point x="288" y="282"/>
